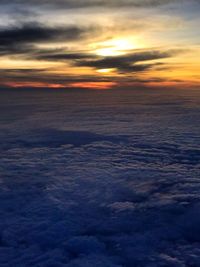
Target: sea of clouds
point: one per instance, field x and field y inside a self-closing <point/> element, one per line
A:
<point x="100" y="179"/>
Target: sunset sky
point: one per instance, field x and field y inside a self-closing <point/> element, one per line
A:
<point x="99" y="44"/>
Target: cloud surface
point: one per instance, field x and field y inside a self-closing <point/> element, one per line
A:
<point x="99" y="178"/>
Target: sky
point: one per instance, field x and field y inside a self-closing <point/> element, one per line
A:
<point x="99" y="44"/>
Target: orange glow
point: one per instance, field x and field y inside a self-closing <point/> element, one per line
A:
<point x="93" y="85"/>
<point x="84" y="85"/>
<point x="33" y="84"/>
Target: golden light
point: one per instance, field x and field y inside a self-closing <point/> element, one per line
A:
<point x="105" y="71"/>
<point x="115" y="47"/>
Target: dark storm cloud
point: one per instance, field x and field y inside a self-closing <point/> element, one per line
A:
<point x="127" y="63"/>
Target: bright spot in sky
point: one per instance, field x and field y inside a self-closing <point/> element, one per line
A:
<point x="105" y="71"/>
<point x="115" y="47"/>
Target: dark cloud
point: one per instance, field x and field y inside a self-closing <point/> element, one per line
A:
<point x="56" y="55"/>
<point x="127" y="63"/>
<point x="46" y="76"/>
<point x="92" y="3"/>
<point x="34" y="32"/>
<point x="20" y="39"/>
<point x="23" y="74"/>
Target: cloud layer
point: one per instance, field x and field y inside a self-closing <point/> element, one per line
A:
<point x="99" y="178"/>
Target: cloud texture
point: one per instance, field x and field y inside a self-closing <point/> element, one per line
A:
<point x="99" y="178"/>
